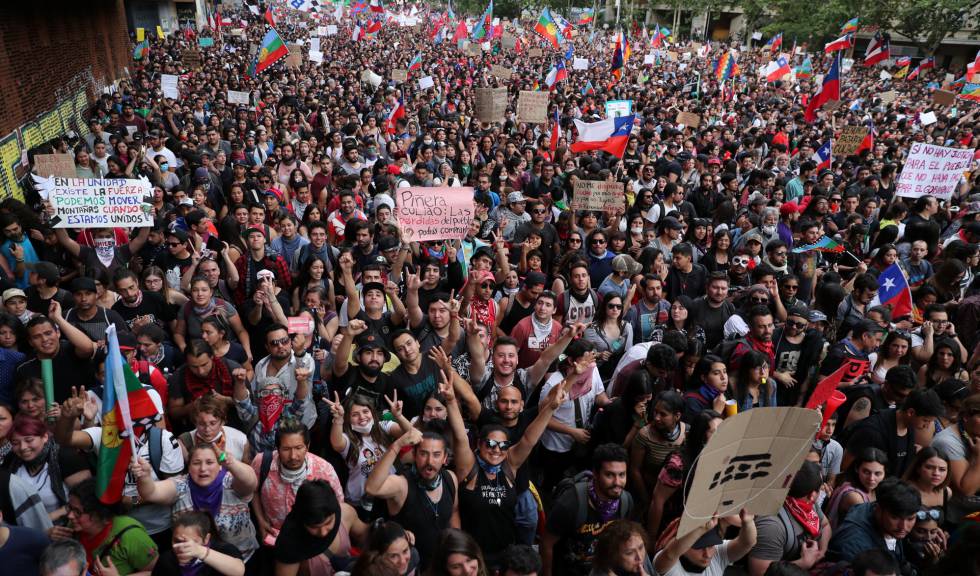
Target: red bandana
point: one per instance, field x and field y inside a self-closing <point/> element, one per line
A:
<point x="802" y="509"/>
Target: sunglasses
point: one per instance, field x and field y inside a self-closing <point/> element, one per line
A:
<point x="597" y="241"/>
<point x="931" y="514"/>
<point x="574" y="240"/>
<point x="501" y="444"/>
<point x="759" y="300"/>
<point x="279" y="342"/>
<point x="796" y="324"/>
<point x="614" y="306"/>
<point x="486" y="285"/>
<point x="791" y="287"/>
<point x="174" y="244"/>
<point x="539" y="211"/>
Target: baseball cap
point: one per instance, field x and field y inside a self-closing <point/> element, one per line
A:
<point x="48" y="271"/>
<point x="80" y="284"/>
<point x="817" y="316"/>
<point x="185" y="202"/>
<point x="714" y="160"/>
<point x="178" y="233"/>
<point x="708" y="539"/>
<point x="127" y="341"/>
<point x="672" y="223"/>
<point x="250" y="229"/>
<point x="626" y="263"/>
<point x="798" y="310"/>
<point x="369" y="341"/>
<point x="13" y="293"/>
<point x="201" y="174"/>
<point x="515" y="197"/>
<point x="373" y="286"/>
<point x="388" y="243"/>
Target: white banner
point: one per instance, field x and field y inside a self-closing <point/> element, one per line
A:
<point x="933" y="170"/>
<point x="580" y="64"/>
<point x="168" y="82"/>
<point x="236" y="97"/>
<point x="97" y="202"/>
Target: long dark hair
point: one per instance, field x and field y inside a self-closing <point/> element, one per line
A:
<point x="454" y="541"/>
<point x="752" y="359"/>
<point x="600" y="314"/>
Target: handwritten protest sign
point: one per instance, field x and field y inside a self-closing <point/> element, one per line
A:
<point x="473" y="50"/>
<point x="849" y="139"/>
<point x="934" y="170"/>
<point x="888" y="97"/>
<point x="491" y="104"/>
<point x="192" y="59"/>
<point x="944" y="97"/>
<point x="618" y="108"/>
<point x="97" y="202"/>
<point x="502" y="72"/>
<point x="508" y="42"/>
<point x="426" y="82"/>
<point x="55" y="165"/>
<point x="168" y="84"/>
<point x="689" y="119"/>
<point x="294" y="59"/>
<point x="532" y="106"/>
<point x="749" y="463"/>
<point x="316" y="56"/>
<point x="597" y="195"/>
<point x="580" y="64"/>
<point x="237" y="97"/>
<point x="441" y="213"/>
<point x="331" y="30"/>
<point x="535" y="53"/>
<point x="399" y="75"/>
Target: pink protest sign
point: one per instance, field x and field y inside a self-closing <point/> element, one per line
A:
<point x="434" y="213"/>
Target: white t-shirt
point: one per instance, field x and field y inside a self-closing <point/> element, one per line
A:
<point x="556" y="441"/>
<point x="716" y="567"/>
<point x="155" y="518"/>
<point x="369" y="455"/>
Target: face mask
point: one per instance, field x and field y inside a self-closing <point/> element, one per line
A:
<point x="636" y="230"/>
<point x="768" y="229"/>
<point x="164" y="167"/>
<point x="105" y="250"/>
<point x="271" y="406"/>
<point x="363" y="428"/>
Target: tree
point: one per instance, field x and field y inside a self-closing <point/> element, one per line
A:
<point x="928" y="22"/>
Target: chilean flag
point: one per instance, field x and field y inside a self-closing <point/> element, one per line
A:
<point x="822" y="156"/>
<point x="610" y="135"/>
<point x="830" y="90"/>
<point x="778" y="69"/>
<point x="556" y="75"/>
<point x="555" y="132"/>
<point x="878" y="50"/>
<point x="842" y="43"/>
<point x="894" y="292"/>
<point x="376" y="6"/>
<point x="391" y="122"/>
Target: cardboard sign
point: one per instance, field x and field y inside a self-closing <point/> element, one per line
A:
<point x="473" y="50"/>
<point x="426" y="83"/>
<point x="508" y="42"/>
<point x="597" y="195"/>
<point x="944" y="97"/>
<point x="619" y="108"/>
<point x="192" y="59"/>
<point x="671" y="56"/>
<point x="299" y="325"/>
<point x="168" y="84"/>
<point x="927" y="118"/>
<point x="532" y="106"/>
<point x="294" y="59"/>
<point x="580" y="64"/>
<point x="502" y="72"/>
<point x="649" y="59"/>
<point x="535" y="53"/>
<point x="848" y="140"/>
<point x="441" y="213"/>
<point x="749" y="463"/>
<point x="934" y="170"/>
<point x="888" y="97"/>
<point x="316" y="56"/>
<point x="205" y="42"/>
<point x="331" y="30"/>
<point x="236" y="97"/>
<point x="399" y="75"/>
<point x="491" y="104"/>
<point x="689" y="119"/>
<point x="97" y="202"/>
<point x="61" y="165"/>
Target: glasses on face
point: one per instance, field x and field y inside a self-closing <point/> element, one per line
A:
<point x="74" y="510"/>
<point x="487" y="285"/>
<point x="173" y="244"/>
<point x="539" y="211"/>
<point x="279" y="342"/>
<point x="614" y="306"/>
<point x="574" y="240"/>
<point x="740" y="261"/>
<point x="501" y="444"/>
<point x="783" y="253"/>
<point x="931" y="514"/>
<point x="598" y="241"/>
<point x="796" y="324"/>
<point x="759" y="300"/>
<point x="791" y="287"/>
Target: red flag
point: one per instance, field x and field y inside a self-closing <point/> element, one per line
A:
<point x="461" y="32"/>
<point x="268" y="17"/>
<point x="847" y="372"/>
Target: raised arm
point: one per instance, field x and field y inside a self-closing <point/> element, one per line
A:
<point x="397" y="307"/>
<point x="84" y="347"/>
<point x="340" y="362"/>
<point x="380" y="483"/>
<point x="463" y="453"/>
<point x="415" y="315"/>
<point x="518" y="454"/>
<point x="155" y="492"/>
<point x="244" y="481"/>
<point x="538" y="370"/>
<point x="338" y="440"/>
<point x="346" y="264"/>
<point x="65" y="240"/>
<point x="678" y="546"/>
<point x="462" y="388"/>
<point x="64" y="429"/>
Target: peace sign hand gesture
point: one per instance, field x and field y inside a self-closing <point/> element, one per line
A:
<point x="336" y="407"/>
<point x="395" y="405"/>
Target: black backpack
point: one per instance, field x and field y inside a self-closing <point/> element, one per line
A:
<point x="580" y="485"/>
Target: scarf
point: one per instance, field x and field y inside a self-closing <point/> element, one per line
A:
<point x="105" y="249"/>
<point x="49" y="455"/>
<point x="218" y="442"/>
<point x="765" y="347"/>
<point x="542" y="330"/>
<point x="487" y="467"/>
<point x="428" y="487"/>
<point x="192" y="569"/>
<point x="289" y="246"/>
<point x="271" y="404"/>
<point x="708" y="393"/>
<point x="158" y="358"/>
<point x="674" y="434"/>
<point x="295" y="477"/>
<point x="608" y="509"/>
<point x="205" y="310"/>
<point x="92" y="543"/>
<point x="802" y="510"/>
<point x="218" y="380"/>
<point x="139" y="300"/>
<point x="208" y="498"/>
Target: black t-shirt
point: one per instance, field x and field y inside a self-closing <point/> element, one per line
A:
<point x="35" y="303"/>
<point x="95" y="327"/>
<point x="256" y="332"/>
<point x="414" y="388"/>
<point x="359" y="386"/>
<point x="711" y="319"/>
<point x="879" y="431"/>
<point x="575" y="549"/>
<point x="691" y="284"/>
<point x="68" y="369"/>
<point x="152" y="306"/>
<point x="167" y="564"/>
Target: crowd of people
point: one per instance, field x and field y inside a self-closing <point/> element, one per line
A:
<point x="330" y="397"/>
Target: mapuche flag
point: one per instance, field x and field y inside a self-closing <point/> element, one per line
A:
<point x="123" y="399"/>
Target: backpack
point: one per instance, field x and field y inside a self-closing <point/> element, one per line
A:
<point x="155" y="437"/>
<point x="726" y="348"/>
<point x="264" y="468"/>
<point x="580" y="485"/>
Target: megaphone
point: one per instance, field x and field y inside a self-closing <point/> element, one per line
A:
<point x="831" y="406"/>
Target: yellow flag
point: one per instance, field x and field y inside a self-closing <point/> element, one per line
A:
<point x="140" y="34"/>
<point x="160" y="34"/>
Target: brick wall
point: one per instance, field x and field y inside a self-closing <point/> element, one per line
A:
<point x="51" y="48"/>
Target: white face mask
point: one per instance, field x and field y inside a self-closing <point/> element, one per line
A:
<point x="637" y="230"/>
<point x="363" y="428"/>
